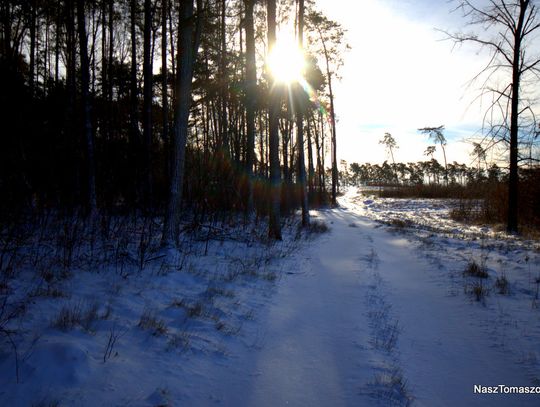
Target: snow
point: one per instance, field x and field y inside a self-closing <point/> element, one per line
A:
<point x="374" y="313"/>
<point x="428" y="214"/>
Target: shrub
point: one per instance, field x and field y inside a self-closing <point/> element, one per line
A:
<point x="71" y="315"/>
<point x="478" y="291"/>
<point x="196" y="310"/>
<point x="430" y="191"/>
<point x="392" y="387"/>
<point x="317" y="226"/>
<point x="474" y="269"/>
<point x="482" y="201"/>
<point x="400" y="223"/>
<point x="150" y="322"/>
<point x="501" y="283"/>
<point x="181" y="340"/>
<point x="537" y="282"/>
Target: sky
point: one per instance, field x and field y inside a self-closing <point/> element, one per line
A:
<point x="401" y="75"/>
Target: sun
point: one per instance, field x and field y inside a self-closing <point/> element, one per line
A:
<point x="286" y="62"/>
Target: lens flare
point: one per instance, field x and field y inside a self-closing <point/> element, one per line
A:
<point x="286" y="62"/>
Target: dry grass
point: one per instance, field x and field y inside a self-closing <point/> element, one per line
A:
<point x="430" y="191"/>
<point x="317" y="226"/>
<point x="76" y="314"/>
<point x="477" y="290"/>
<point x="501" y="284"/>
<point x="150" y="322"/>
<point x="474" y="269"/>
<point x="482" y="202"/>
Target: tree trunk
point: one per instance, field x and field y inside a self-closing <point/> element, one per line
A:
<point x="57" y="49"/>
<point x="300" y="127"/>
<point x="189" y="38"/>
<point x="32" y="46"/>
<point x="320" y="164"/>
<point x="445" y="165"/>
<point x="274" y="224"/>
<point x="251" y="79"/>
<point x="85" y="100"/>
<point x="334" y="146"/>
<point x="333" y="123"/>
<point x="223" y="85"/>
<point x="5" y="8"/>
<point x="164" y="80"/>
<point x="311" y="170"/>
<point x="93" y="51"/>
<point x="134" y="133"/>
<point x="513" y="179"/>
<point x="147" y="102"/>
<point x="323" y="158"/>
<point x="104" y="69"/>
<point x="109" y="112"/>
<point x="70" y="66"/>
<point x="173" y="56"/>
<point x="285" y="139"/>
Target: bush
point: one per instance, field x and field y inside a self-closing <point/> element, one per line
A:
<point x="501" y="284"/>
<point x="150" y="322"/>
<point x="483" y="201"/>
<point x="431" y="191"/>
<point x="71" y="315"/>
<point x="317" y="226"/>
<point x="474" y="269"/>
<point x="478" y="291"/>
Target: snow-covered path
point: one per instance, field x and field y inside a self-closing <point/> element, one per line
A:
<point x="309" y="351"/>
<point x="312" y="352"/>
<point x="366" y="320"/>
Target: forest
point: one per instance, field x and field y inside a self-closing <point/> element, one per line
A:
<point x="155" y="106"/>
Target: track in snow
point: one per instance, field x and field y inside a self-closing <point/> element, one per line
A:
<point x="364" y="320"/>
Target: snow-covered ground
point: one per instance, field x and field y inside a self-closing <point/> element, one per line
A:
<point x="370" y="313"/>
<point x="457" y="330"/>
<point x="431" y="215"/>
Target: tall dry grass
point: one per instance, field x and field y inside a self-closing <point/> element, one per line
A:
<point x="483" y="202"/>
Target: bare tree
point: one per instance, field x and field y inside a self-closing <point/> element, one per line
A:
<point x="506" y="28"/>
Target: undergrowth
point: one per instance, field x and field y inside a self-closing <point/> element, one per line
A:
<point x="481" y="202"/>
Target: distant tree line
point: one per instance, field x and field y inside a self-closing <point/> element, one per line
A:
<point x="429" y="172"/>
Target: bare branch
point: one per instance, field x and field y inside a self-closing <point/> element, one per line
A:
<point x="505" y="14"/>
<point x="529" y="26"/>
<point x="532" y="65"/>
<point x="474" y="38"/>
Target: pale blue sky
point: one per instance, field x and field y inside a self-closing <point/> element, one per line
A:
<point x="400" y="76"/>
